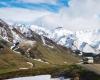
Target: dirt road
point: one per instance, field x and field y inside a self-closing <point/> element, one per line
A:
<point x="92" y="67"/>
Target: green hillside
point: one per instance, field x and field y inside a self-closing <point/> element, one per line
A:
<point x="46" y="57"/>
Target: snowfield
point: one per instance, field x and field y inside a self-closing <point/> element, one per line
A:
<point x="40" y="77"/>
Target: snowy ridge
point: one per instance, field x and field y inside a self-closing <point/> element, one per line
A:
<point x="91" y="38"/>
<point x="74" y="40"/>
<point x="68" y="38"/>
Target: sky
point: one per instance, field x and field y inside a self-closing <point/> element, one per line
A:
<point x="71" y="14"/>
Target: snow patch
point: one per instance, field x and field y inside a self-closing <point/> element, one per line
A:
<point x="23" y="68"/>
<point x="40" y="60"/>
<point x="31" y="64"/>
<point x="40" y="77"/>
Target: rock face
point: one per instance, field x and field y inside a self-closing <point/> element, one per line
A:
<point x="29" y="49"/>
<point x="5" y="31"/>
<point x="25" y="44"/>
<point x="16" y="35"/>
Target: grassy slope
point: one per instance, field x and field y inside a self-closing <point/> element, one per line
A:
<point x="58" y="55"/>
<point x="9" y="61"/>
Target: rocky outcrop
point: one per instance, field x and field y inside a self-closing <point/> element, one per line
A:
<point x="29" y="49"/>
<point x="5" y="31"/>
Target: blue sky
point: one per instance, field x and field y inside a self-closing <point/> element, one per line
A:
<point x="53" y="7"/>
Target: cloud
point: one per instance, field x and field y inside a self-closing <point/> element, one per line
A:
<point x="39" y="1"/>
<point x="21" y="15"/>
<point x="80" y="15"/>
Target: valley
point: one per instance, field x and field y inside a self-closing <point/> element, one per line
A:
<point x="31" y="51"/>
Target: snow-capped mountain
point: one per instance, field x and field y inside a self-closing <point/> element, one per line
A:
<point x="87" y="41"/>
<point x="5" y="31"/>
<point x="88" y="37"/>
<point x="74" y="40"/>
<point x="63" y="37"/>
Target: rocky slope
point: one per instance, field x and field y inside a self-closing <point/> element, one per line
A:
<point x="24" y="47"/>
<point x="69" y="39"/>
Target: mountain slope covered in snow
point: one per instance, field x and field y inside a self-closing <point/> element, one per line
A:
<point x="69" y="39"/>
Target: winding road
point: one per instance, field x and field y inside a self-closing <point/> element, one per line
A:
<point x="92" y="67"/>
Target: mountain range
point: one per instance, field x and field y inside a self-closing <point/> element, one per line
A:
<point x="30" y="46"/>
<point x="74" y="40"/>
<point x="23" y="47"/>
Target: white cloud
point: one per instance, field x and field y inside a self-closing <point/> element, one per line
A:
<point x="40" y="1"/>
<point x="81" y="14"/>
<point x="21" y="15"/>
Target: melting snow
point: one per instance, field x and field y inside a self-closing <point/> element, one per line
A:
<point x="39" y="77"/>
